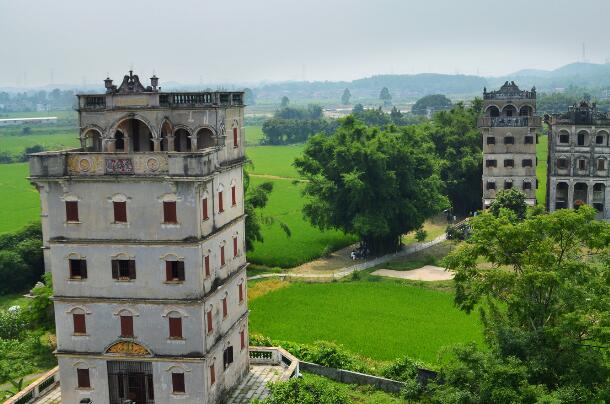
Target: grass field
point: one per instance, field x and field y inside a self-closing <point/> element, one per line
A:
<point x="306" y="242"/>
<point x="541" y="153"/>
<point x="380" y="319"/>
<point x="20" y="203"/>
<point x="274" y="160"/>
<point x="7" y="301"/>
<point x="50" y="138"/>
<point x="254" y="135"/>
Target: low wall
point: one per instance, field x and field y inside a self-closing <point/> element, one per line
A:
<point x="349" y="377"/>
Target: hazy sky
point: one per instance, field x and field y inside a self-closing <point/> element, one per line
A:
<point x="246" y="41"/>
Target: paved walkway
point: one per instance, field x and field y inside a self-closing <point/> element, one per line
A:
<point x="255" y="384"/>
<point x="52" y="397"/>
<point x="426" y="273"/>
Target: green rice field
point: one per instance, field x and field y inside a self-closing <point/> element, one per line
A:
<point x="305" y="243"/>
<point x="19" y="202"/>
<point x="380" y="319"/>
<point x="541" y="153"/>
<point x="274" y="160"/>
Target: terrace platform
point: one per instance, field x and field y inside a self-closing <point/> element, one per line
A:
<point x="267" y="364"/>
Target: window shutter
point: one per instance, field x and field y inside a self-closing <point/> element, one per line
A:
<point x="132" y="269"/>
<point x="222" y="255"/>
<point x="80" y="326"/>
<point x="230" y="354"/>
<point x="82" y="376"/>
<point x="212" y="375"/>
<point x="180" y="265"/>
<point x="71" y="211"/>
<point x="241" y="292"/>
<point x="224" y="307"/>
<point x="209" y="321"/>
<point x="175" y="327"/>
<point x="235" y="137"/>
<point x="242" y="339"/>
<point x="168" y="271"/>
<point x="126" y="326"/>
<point x="178" y="383"/>
<point x="234" y="247"/>
<point x="83" y="269"/>
<point x="115" y="269"/>
<point x="233" y="196"/>
<point x="204" y="207"/>
<point x="120" y="211"/>
<point x="207" y="265"/>
<point x="169" y="212"/>
<point x="220" y="207"/>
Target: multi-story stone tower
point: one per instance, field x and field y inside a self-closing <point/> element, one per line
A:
<point x="578" y="159"/>
<point x="509" y="141"/>
<point x="144" y="235"/>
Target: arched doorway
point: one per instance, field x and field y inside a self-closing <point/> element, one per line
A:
<point x="525" y="110"/>
<point x="599" y="198"/>
<point x="205" y="139"/>
<point x="119" y="141"/>
<point x="580" y="195"/>
<point x="138" y="137"/>
<point x="166" y="131"/>
<point x="561" y="196"/>
<point x="493" y="111"/>
<point x="509" y="111"/>
<point x="182" y="141"/>
<point x="582" y="138"/>
<point x="93" y="140"/>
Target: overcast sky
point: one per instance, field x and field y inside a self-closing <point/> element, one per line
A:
<point x="249" y="41"/>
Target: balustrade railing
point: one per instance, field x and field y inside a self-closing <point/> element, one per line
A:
<point x="509" y="121"/>
<point x="37" y="389"/>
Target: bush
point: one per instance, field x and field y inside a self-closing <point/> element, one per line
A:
<point x="402" y="369"/>
<point x="21" y="259"/>
<point x="420" y="235"/>
<point x="12" y="324"/>
<point x="301" y="391"/>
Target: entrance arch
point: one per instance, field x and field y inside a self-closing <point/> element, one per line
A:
<point x="205" y="139"/>
<point x="182" y="140"/>
<point x="580" y="194"/>
<point x="561" y="195"/>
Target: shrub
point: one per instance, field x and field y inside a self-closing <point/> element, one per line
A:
<point x="420" y="235"/>
<point x="301" y="391"/>
<point x="402" y="369"/>
<point x="12" y="324"/>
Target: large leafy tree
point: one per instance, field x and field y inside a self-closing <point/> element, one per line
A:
<point x="458" y="143"/>
<point x="511" y="199"/>
<point x="545" y="301"/>
<point x="433" y="103"/>
<point x="385" y="96"/>
<point x="346" y="96"/>
<point x="377" y="184"/>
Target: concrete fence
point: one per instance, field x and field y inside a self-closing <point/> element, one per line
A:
<point x="40" y="387"/>
<point x="349" y="377"/>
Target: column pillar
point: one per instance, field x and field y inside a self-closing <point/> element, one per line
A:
<point x="109" y="145"/>
<point x="156" y="144"/>
<point x="570" y="195"/>
<point x="193" y="142"/>
<point x="590" y="193"/>
<point x="170" y="143"/>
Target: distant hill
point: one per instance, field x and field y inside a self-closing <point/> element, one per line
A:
<point x="577" y="74"/>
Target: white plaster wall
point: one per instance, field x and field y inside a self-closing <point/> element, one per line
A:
<point x="98" y="375"/>
<point x="150" y="259"/>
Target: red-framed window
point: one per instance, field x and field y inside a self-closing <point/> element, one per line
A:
<point x="178" y="383"/>
<point x="222" y="255"/>
<point x="71" y="211"/>
<point x="204" y="209"/>
<point x="235" y="137"/>
<point x="126" y="326"/>
<point x="220" y="204"/>
<point x="80" y="324"/>
<point x="120" y="211"/>
<point x="207" y="265"/>
<point x="169" y="212"/>
<point x="83" y="379"/>
<point x="209" y="321"/>
<point x="175" y="327"/>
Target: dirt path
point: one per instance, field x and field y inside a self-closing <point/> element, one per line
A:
<point x="427" y="273"/>
<point x="275" y="177"/>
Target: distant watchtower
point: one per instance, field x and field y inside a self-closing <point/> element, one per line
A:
<point x="509" y="128"/>
<point x="143" y="230"/>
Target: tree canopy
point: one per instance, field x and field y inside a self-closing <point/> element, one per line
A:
<point x="511" y="199"/>
<point x="385" y="96"/>
<point x="374" y="183"/>
<point x="346" y="96"/>
<point x="432" y="103"/>
<point x="544" y="305"/>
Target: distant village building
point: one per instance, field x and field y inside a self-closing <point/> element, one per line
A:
<point x="143" y="231"/>
<point x="578" y="159"/>
<point x="28" y="121"/>
<point x="509" y="126"/>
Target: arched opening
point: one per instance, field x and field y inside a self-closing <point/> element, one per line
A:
<point x="580" y="195"/>
<point x="205" y="139"/>
<point x="493" y="111"/>
<point x="561" y="196"/>
<point x="138" y="137"/>
<point x="601" y="138"/>
<point x="93" y="141"/>
<point x="599" y="198"/>
<point x="525" y="110"/>
<point x="119" y="142"/>
<point x="582" y="138"/>
<point x="509" y="111"/>
<point x="166" y="131"/>
<point x="182" y="141"/>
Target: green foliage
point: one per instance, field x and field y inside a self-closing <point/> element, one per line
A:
<point x="546" y="299"/>
<point x="371" y="183"/>
<point x="346" y="96"/>
<point x="433" y="103"/>
<point x="279" y="131"/>
<point x="249" y="96"/>
<point x="402" y="369"/>
<point x="385" y="96"/>
<point x="21" y="261"/>
<point x="421" y="234"/>
<point x="255" y="199"/>
<point x="39" y="310"/>
<point x="24" y="356"/>
<point x="512" y="200"/>
<point x="301" y="391"/>
<point x="380" y="320"/>
<point x="457" y="142"/>
<point x="12" y="324"/>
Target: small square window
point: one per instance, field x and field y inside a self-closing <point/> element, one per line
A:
<point x="178" y="383"/>
<point x="509" y="163"/>
<point x="78" y="269"/>
<point x="120" y="212"/>
<point x="174" y="271"/>
<point x="601" y="165"/>
<point x="529" y="140"/>
<point x="509" y="140"/>
<point x="527" y="163"/>
<point x="491" y="140"/>
<point x="175" y="327"/>
<point x="508" y="184"/>
<point x="582" y="164"/>
<point x="169" y="212"/>
<point x="527" y="185"/>
<point x="564" y="139"/>
<point x="126" y="326"/>
<point x="227" y="356"/>
<point x="123" y="269"/>
<point x="71" y="211"/>
<point x="491" y="185"/>
<point x="491" y="163"/>
<point x="83" y="379"/>
<point x="599" y="139"/>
